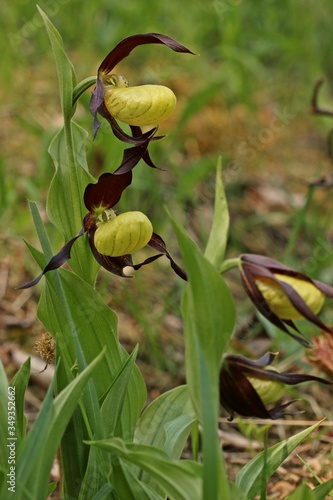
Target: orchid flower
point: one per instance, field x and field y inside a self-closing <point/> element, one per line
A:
<point x="112" y="237"/>
<point x="282" y="294"/>
<point x="248" y="387"/>
<point x="138" y="106"/>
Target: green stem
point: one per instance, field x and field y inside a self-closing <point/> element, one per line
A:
<point x="229" y="264"/>
<point x="82" y="87"/>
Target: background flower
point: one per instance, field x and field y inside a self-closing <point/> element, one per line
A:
<point x="247" y="387"/>
<point x="282" y="294"/>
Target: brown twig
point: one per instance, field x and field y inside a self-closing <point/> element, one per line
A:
<point x="315" y="109"/>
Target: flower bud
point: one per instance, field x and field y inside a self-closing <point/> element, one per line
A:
<point x="268" y="390"/>
<point x="141" y="105"/>
<point x="278" y="301"/>
<point x="124" y="234"/>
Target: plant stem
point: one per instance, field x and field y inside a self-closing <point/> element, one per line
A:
<point x="82" y="87"/>
<point x="229" y="264"/>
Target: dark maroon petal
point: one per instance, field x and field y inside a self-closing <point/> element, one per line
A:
<point x="106" y="192"/>
<point x="262" y="261"/>
<point x="57" y="260"/>
<point x="158" y="244"/>
<point x="240" y="361"/>
<point x="301" y="306"/>
<point x="323" y="287"/>
<point x="114" y="265"/>
<point x="125" y="47"/>
<point x="137" y="139"/>
<point x="146" y="158"/>
<point x="96" y="100"/>
<point x="147" y="261"/>
<point x="252" y="369"/>
<point x="131" y="157"/>
<point x="266" y="359"/>
<point x="298" y="378"/>
<point x="181" y="273"/>
<point x="137" y="133"/>
<point x="279" y="411"/>
<point x="265" y="266"/>
<point x="140" y="141"/>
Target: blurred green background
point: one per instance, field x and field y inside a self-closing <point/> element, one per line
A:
<point x="245" y="97"/>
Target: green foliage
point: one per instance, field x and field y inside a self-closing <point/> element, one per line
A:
<point x="65" y="199"/>
<point x="207" y="334"/>
<point x="165" y="424"/>
<point x="179" y="479"/>
<point x="254" y="475"/>
<point x="303" y="492"/>
<point x="92" y="411"/>
<point x="65" y="69"/>
<point x="34" y="458"/>
<point x="20" y="382"/>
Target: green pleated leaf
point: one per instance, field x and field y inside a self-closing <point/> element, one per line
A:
<point x="167" y="421"/>
<point x="94" y="479"/>
<point x="93" y="325"/>
<point x="65" y="70"/>
<point x="82" y="324"/>
<point x="254" y="476"/>
<point x="65" y="206"/>
<point x="236" y="493"/>
<point x="112" y="409"/>
<point x="20" y="382"/>
<point x="178" y="479"/>
<point x="36" y="455"/>
<point x="166" y="424"/>
<point x="218" y="237"/>
<point x="104" y="492"/>
<point x="209" y="316"/>
<point x="129" y="486"/>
